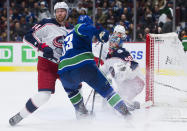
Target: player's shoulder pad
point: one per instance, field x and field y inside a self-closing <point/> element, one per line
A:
<point x="49" y="21"/>
<point x="76" y="29"/>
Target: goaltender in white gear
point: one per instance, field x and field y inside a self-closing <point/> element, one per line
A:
<point x="120" y="67"/>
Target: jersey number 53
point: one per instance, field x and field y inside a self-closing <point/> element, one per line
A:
<point x="67" y="44"/>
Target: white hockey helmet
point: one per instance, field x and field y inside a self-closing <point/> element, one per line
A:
<point x="120" y="29"/>
<point x="62" y="5"/>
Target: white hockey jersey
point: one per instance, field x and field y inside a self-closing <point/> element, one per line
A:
<point x="47" y="31"/>
<point x="96" y="50"/>
<point x="125" y="74"/>
<point x="122" y="70"/>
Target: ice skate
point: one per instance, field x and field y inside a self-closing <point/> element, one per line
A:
<point x="81" y="112"/>
<point x="15" y="119"/>
<point x="122" y="109"/>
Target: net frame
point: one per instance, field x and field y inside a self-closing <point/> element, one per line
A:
<point x="153" y="62"/>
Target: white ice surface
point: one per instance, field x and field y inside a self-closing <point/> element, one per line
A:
<point x="58" y="114"/>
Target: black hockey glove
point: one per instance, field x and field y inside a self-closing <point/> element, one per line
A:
<point x="47" y="51"/>
<point x="104" y="36"/>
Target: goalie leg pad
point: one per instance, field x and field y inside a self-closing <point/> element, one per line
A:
<point x="129" y="89"/>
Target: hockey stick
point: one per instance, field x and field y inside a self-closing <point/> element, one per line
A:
<point x="172" y="87"/>
<point x="93" y="100"/>
<point x="92" y="89"/>
<point x="88" y="97"/>
<point x="133" y="106"/>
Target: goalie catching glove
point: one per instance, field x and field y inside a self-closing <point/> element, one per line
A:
<point x="47" y="51"/>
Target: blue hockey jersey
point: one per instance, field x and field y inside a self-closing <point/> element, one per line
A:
<point x="77" y="48"/>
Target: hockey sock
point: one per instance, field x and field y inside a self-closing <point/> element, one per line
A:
<point x="35" y="102"/>
<point x="77" y="101"/>
<point x="75" y="98"/>
<point x="29" y="108"/>
<point x="117" y="103"/>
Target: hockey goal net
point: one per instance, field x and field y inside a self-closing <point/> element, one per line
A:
<point x="166" y="65"/>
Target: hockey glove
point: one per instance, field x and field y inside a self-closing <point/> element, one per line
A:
<point x="104" y="36"/>
<point x="47" y="51"/>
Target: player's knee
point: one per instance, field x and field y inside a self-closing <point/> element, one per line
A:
<point x="107" y="93"/>
<point x="41" y="98"/>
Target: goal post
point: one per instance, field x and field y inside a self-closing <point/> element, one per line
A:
<point x="149" y="68"/>
<point x="166" y="65"/>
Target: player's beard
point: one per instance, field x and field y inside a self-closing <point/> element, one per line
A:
<point x="60" y="18"/>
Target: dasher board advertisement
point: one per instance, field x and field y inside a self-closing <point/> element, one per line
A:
<point x="17" y="57"/>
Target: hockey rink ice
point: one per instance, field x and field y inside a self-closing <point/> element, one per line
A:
<point x="58" y="114"/>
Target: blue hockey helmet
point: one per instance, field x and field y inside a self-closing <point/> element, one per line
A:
<point x="84" y="19"/>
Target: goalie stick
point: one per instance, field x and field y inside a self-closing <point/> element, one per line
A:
<point x="136" y="105"/>
<point x="146" y="104"/>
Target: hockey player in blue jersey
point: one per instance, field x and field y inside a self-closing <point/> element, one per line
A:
<point x="77" y="65"/>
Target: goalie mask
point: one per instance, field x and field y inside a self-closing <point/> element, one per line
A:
<point x="114" y="43"/>
<point x="117" y="38"/>
<point x="119" y="31"/>
<point x="61" y="5"/>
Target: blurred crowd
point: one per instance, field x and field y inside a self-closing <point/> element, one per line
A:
<point x="153" y="16"/>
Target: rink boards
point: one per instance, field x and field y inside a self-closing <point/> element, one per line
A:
<point x="18" y="56"/>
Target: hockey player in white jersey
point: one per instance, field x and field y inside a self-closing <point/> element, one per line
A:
<point x="120" y="67"/>
<point x="47" y="36"/>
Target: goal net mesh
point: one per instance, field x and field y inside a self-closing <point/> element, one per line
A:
<point x="166" y="69"/>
